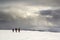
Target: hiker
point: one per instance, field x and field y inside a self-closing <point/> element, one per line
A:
<point x="16" y="29"/>
<point x="13" y="30"/>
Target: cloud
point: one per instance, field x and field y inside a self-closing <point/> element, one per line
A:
<point x="29" y="14"/>
<point x="52" y="16"/>
<point x="25" y="17"/>
<point x="53" y="3"/>
<point x="46" y="12"/>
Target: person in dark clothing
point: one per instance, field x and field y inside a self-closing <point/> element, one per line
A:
<point x="12" y="30"/>
<point x="16" y="29"/>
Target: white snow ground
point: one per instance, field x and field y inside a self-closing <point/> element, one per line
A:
<point x="28" y="35"/>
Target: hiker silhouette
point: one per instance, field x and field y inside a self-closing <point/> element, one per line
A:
<point x="15" y="29"/>
<point x="18" y="29"/>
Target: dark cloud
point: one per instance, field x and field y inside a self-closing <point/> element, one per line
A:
<point x="5" y="16"/>
<point x="54" y="13"/>
<point x="46" y="12"/>
<point x="55" y="19"/>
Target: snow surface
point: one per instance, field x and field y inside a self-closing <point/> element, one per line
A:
<point x="28" y="35"/>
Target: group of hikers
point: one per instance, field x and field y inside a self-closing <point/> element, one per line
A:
<point x="16" y="30"/>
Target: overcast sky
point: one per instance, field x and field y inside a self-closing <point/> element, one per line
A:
<point x="34" y="2"/>
<point x="31" y="14"/>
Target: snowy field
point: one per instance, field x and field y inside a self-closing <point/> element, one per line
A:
<point x="28" y="35"/>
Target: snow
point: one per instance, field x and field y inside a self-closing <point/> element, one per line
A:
<point x="28" y="35"/>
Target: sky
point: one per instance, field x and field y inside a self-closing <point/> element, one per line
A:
<point x="30" y="14"/>
<point x="34" y="2"/>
